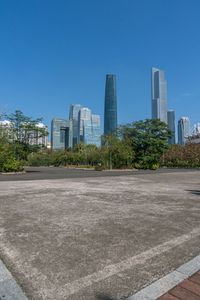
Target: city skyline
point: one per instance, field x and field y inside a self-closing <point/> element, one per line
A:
<point x="82" y="126"/>
<point x="159" y="110"/>
<point x="56" y="54"/>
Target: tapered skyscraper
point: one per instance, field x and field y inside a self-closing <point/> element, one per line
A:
<point x="159" y="95"/>
<point x="110" y="108"/>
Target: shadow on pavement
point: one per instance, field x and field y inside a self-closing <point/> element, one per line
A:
<point x="32" y="171"/>
<point x="194" y="192"/>
<point x="104" y="297"/>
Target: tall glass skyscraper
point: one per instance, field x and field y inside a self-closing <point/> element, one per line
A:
<point x="89" y="127"/>
<point x="159" y="95"/>
<point x="171" y="124"/>
<point x="110" y="108"/>
<point x="73" y="116"/>
<point x="183" y="130"/>
<point x="61" y="134"/>
<point x="96" y="130"/>
<point x="84" y="121"/>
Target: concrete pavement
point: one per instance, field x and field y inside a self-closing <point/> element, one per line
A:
<point x="100" y="237"/>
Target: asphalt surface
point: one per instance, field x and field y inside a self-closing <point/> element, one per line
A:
<point x="97" y="238"/>
<point x="44" y="173"/>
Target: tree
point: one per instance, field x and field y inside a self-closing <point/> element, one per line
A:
<point x="117" y="153"/>
<point x="149" y="140"/>
<point x="23" y="127"/>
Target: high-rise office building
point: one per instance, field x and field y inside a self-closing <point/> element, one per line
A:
<point x="159" y="95"/>
<point x="84" y="121"/>
<point x="61" y="134"/>
<point x="110" y="107"/>
<point x="89" y="127"/>
<point x="96" y="130"/>
<point x="183" y="130"/>
<point x="171" y="124"/>
<point x="73" y="116"/>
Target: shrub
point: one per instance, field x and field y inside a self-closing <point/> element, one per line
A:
<point x="39" y="159"/>
<point x="12" y="165"/>
<point x="99" y="168"/>
<point x="154" y="166"/>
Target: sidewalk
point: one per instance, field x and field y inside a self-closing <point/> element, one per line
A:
<point x="182" y="284"/>
<point x="189" y="289"/>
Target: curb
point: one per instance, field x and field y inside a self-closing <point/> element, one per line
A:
<point x="166" y="283"/>
<point x="9" y="289"/>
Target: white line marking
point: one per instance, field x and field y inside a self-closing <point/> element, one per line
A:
<point x="84" y="282"/>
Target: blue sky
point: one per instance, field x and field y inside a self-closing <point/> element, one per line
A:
<point x="57" y="52"/>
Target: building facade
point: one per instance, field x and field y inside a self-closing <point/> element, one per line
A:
<point x="89" y="127"/>
<point x="73" y="117"/>
<point x="84" y="124"/>
<point x="96" y="130"/>
<point x="171" y="125"/>
<point x="159" y="95"/>
<point x="110" y="106"/>
<point x="183" y="130"/>
<point x="61" y="134"/>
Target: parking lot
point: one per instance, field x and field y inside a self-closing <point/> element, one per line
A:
<point x="97" y="237"/>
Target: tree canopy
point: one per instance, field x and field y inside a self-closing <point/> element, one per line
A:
<point x="24" y="126"/>
<point x="149" y="140"/>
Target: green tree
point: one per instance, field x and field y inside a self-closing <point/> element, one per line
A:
<point x="23" y="128"/>
<point x="149" y="140"/>
<point x="117" y="153"/>
<point x="8" y="162"/>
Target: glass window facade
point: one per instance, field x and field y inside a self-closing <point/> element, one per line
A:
<point x="183" y="130"/>
<point x="159" y="95"/>
<point x="61" y="134"/>
<point x="171" y="124"/>
<point x="110" y="107"/>
<point x="82" y="127"/>
<point x="74" y="116"/>
<point x="96" y="130"/>
<point x="84" y="122"/>
<point x="89" y="127"/>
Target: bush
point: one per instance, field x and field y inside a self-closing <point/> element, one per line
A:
<point x="180" y="156"/>
<point x="154" y="166"/>
<point x="147" y="165"/>
<point x="39" y="159"/>
<point x="99" y="168"/>
<point x="12" y="165"/>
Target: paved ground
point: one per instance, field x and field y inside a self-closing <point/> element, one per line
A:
<point x="43" y="173"/>
<point x="98" y="238"/>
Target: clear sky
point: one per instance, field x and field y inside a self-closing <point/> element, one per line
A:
<point x="57" y="52"/>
